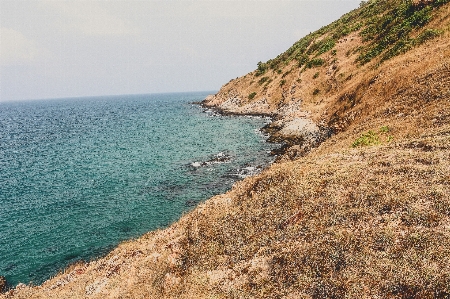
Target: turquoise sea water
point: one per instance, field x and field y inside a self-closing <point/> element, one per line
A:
<point x="78" y="176"/>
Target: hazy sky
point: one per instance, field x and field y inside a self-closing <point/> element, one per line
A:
<point x="51" y="49"/>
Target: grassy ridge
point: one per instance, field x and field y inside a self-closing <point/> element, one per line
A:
<point x="387" y="28"/>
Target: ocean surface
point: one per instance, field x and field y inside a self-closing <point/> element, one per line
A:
<point x="78" y="176"/>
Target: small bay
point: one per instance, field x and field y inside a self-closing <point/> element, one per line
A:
<point x="78" y="176"/>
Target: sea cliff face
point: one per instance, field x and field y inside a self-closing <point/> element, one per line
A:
<point x="363" y="212"/>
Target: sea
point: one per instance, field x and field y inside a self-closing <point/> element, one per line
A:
<point x="80" y="175"/>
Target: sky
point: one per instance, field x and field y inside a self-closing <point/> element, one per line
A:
<point x="58" y="49"/>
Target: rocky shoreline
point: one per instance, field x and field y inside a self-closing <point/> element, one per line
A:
<point x="297" y="135"/>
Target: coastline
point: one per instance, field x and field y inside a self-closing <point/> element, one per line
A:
<point x="238" y="175"/>
<point x="365" y="213"/>
<point x="297" y="133"/>
<point x="285" y="142"/>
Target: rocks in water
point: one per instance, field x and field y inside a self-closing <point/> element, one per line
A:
<point x="3" y="284"/>
<point x="246" y="171"/>
<point x="219" y="158"/>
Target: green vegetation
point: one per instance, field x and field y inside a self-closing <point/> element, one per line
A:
<point x="427" y="35"/>
<point x="384" y="129"/>
<point x="262" y="80"/>
<point x="262" y="68"/>
<point x="387" y="27"/>
<point x="390" y="34"/>
<point x="252" y="96"/>
<point x="282" y="82"/>
<point x="366" y="139"/>
<point x="372" y="138"/>
<point x="315" y="63"/>
<point x="285" y="74"/>
<point x="316" y="75"/>
<point x="316" y="91"/>
<point x="326" y="45"/>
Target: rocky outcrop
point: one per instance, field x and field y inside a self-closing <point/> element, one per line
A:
<point x="290" y="126"/>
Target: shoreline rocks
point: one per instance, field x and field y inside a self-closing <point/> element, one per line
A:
<point x="297" y="135"/>
<point x="3" y="284"/>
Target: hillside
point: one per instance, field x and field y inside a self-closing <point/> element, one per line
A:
<point x="358" y="204"/>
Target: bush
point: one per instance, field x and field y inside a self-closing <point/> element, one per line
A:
<point x="427" y="35"/>
<point x="285" y="74"/>
<point x="252" y="96"/>
<point x="315" y="63"/>
<point x="384" y="129"/>
<point x="369" y="138"/>
<point x="372" y="138"/>
<point x="262" y="80"/>
<point x="262" y="68"/>
<point x="326" y="46"/>
<point x="316" y="91"/>
<point x="302" y="60"/>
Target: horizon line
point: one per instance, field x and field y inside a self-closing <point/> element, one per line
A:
<point x="103" y="96"/>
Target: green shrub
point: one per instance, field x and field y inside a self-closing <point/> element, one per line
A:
<point x="402" y="46"/>
<point x="285" y="74"/>
<point x="316" y="91"/>
<point x="326" y="46"/>
<point x="282" y="82"/>
<point x="302" y="60"/>
<point x="384" y="129"/>
<point x="372" y="138"/>
<point x="369" y="138"/>
<point x="262" y="68"/>
<point x="427" y="35"/>
<point x="252" y="96"/>
<point x="391" y="33"/>
<point x="262" y="80"/>
<point x="316" y="75"/>
<point x="315" y="63"/>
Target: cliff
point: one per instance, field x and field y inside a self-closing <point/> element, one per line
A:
<point x="357" y="206"/>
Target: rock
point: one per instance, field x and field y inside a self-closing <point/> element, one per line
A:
<point x="299" y="127"/>
<point x="3" y="284"/>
